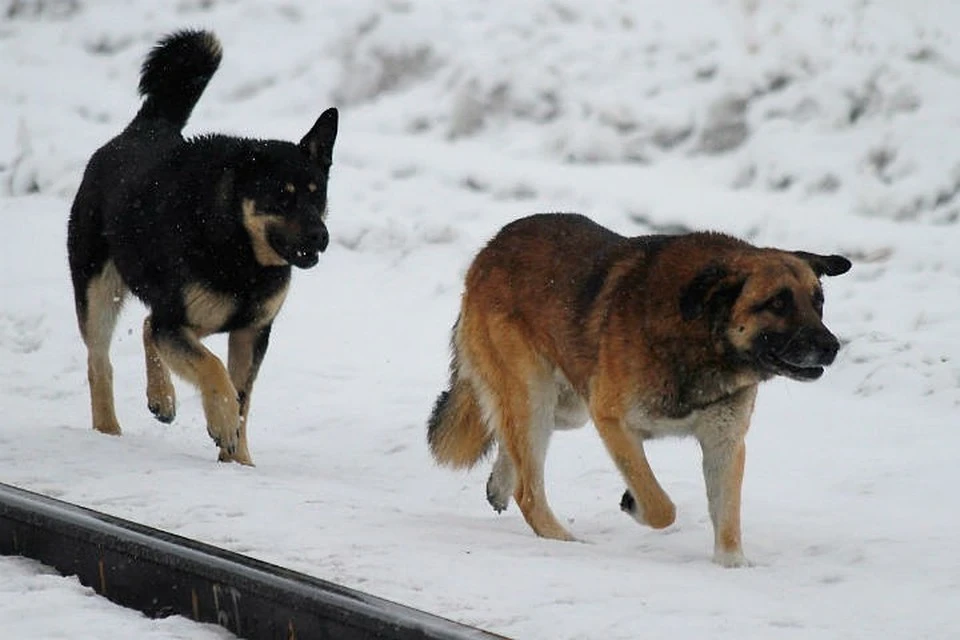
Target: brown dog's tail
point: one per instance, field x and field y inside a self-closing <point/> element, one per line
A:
<point x="456" y="431"/>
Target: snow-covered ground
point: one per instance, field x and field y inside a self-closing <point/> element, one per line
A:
<point x="827" y="125"/>
<point x="36" y="603"/>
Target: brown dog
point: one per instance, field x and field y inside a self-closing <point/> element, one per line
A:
<point x="563" y="321"/>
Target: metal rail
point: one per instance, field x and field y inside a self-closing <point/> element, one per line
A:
<point x="164" y="574"/>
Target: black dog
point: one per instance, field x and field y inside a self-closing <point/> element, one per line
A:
<point x="203" y="231"/>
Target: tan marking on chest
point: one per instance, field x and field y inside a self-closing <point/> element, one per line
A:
<point x="640" y="421"/>
<point x="257" y="224"/>
<point x="207" y="311"/>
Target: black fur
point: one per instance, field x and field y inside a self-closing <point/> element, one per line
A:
<point x="494" y="498"/>
<point x="167" y="211"/>
<point x="184" y="59"/>
<point x="628" y="504"/>
<point x="174" y="215"/>
<point x="436" y="415"/>
<point x="174" y="75"/>
<point x="185" y="225"/>
<point x="833" y="265"/>
<point x="603" y="262"/>
<point x="591" y="288"/>
<point x="711" y="291"/>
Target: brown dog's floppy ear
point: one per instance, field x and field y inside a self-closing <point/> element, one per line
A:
<point x="825" y="265"/>
<point x="706" y="288"/>
<point x="318" y="143"/>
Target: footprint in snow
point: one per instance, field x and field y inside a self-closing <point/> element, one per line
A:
<point x="22" y="334"/>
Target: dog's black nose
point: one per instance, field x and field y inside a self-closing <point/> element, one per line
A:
<point x="828" y="345"/>
<point x="318" y="238"/>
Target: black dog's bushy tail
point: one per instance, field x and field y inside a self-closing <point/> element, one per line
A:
<point x="175" y="73"/>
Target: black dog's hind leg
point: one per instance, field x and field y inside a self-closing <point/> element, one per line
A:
<point x="99" y="299"/>
<point x="246" y="350"/>
<point x="161" y="396"/>
<point x="98" y="292"/>
<point x="180" y="349"/>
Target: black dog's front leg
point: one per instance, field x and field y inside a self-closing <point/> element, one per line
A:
<point x="246" y="351"/>
<point x="180" y="348"/>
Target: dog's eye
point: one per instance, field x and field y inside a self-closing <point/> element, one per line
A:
<point x="780" y="305"/>
<point x="818" y="301"/>
<point x="287" y="195"/>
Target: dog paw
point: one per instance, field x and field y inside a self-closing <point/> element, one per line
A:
<point x="628" y="504"/>
<point x="233" y="449"/>
<point x="161" y="396"/>
<point x="109" y="427"/>
<point x="731" y="559"/>
<point x="223" y="422"/>
<point x="497" y="495"/>
<point x="663" y="516"/>
<point x="241" y="456"/>
<point x="555" y="531"/>
<point x="163" y="409"/>
<point x="227" y="439"/>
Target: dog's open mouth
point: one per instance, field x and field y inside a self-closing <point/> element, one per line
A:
<point x="784" y="368"/>
<point x="304" y="258"/>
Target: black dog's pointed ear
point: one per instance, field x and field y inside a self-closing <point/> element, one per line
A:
<point x="318" y="143"/>
<point x="696" y="295"/>
<point x="825" y="265"/>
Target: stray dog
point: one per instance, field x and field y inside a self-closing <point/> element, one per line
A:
<point x="563" y="320"/>
<point x="203" y="231"/>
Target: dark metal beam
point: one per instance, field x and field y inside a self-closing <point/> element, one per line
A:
<point x="163" y="574"/>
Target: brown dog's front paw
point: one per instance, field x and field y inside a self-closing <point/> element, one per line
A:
<point x="109" y="427"/>
<point x="659" y="518"/>
<point x="731" y="559"/>
<point x="628" y="504"/>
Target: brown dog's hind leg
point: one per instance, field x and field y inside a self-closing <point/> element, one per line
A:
<point x="526" y="437"/>
<point x="104" y="298"/>
<point x="246" y="351"/>
<point x="502" y="482"/>
<point x="183" y="352"/>
<point x="161" y="396"/>
<point x="523" y="397"/>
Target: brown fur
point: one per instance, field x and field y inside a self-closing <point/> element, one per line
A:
<point x="462" y="449"/>
<point x="257" y="223"/>
<point x="562" y="320"/>
<point x="106" y="293"/>
<point x="161" y="395"/>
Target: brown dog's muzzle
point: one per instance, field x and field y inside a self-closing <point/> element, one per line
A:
<point x="801" y="355"/>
